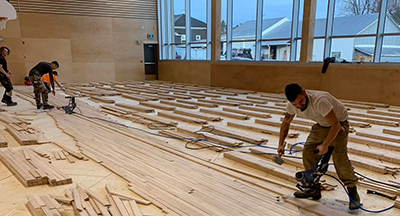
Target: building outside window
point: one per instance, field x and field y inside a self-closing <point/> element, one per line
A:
<point x="269" y="30"/>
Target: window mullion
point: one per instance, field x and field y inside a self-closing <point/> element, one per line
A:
<point x="229" y="29"/>
<point x="380" y="31"/>
<point x="329" y="28"/>
<point x="259" y="20"/>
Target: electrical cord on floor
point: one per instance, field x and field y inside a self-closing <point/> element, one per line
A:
<point x="190" y="140"/>
<point x="351" y="199"/>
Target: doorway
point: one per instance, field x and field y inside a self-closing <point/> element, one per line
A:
<point x="150" y="61"/>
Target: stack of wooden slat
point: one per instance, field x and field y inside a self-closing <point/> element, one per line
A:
<point x="59" y="155"/>
<point x="31" y="169"/>
<point x="22" y="132"/>
<point x="85" y="202"/>
<point x="44" y="206"/>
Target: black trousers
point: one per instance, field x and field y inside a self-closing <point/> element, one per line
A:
<point x="6" y="82"/>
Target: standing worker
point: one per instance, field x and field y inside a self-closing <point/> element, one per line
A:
<point x="332" y="128"/>
<point x="38" y="86"/>
<point x="5" y="76"/>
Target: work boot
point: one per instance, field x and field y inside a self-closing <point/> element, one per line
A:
<point x="313" y="193"/>
<point x="39" y="106"/>
<point x="47" y="106"/>
<point x="356" y="198"/>
<point x="11" y="103"/>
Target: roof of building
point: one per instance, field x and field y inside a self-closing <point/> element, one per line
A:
<point x="180" y="20"/>
<point x="344" y="25"/>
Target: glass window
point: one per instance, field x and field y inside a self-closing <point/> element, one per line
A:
<point x="277" y="19"/>
<point x="243" y="51"/>
<point x="198" y="51"/>
<point x="318" y="50"/>
<point x="391" y="49"/>
<point x="320" y="18"/>
<point x="275" y="50"/>
<point x="354" y="49"/>
<point x="355" y="18"/>
<point x="198" y="22"/>
<point x="244" y="19"/>
<point x="223" y="51"/>
<point x="392" y="24"/>
<point x="223" y="20"/>
<point x="179" y="21"/>
<point x="178" y="52"/>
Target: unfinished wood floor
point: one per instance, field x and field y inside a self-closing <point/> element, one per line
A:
<point x="181" y="181"/>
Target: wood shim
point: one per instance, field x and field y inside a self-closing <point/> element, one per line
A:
<point x="278" y="124"/>
<point x="211" y="137"/>
<point x="103" y="100"/>
<point x="391" y="132"/>
<point x="150" y="119"/>
<point x="374" y="142"/>
<point x="251" y="127"/>
<point x="367" y="103"/>
<point x="384" y="113"/>
<point x="199" y="115"/>
<point x="232" y="102"/>
<point x="265" y="110"/>
<point x="181" y="118"/>
<point x="245" y="112"/>
<point x="158" y="106"/>
<point x="373" y="153"/>
<point x="221" y="92"/>
<point x="205" y="95"/>
<point x="247" y="100"/>
<point x="135" y="107"/>
<point x="369" y="165"/>
<point x="198" y="103"/>
<point x="226" y="132"/>
<point x="271" y="107"/>
<point x="374" y="121"/>
<point x="267" y="98"/>
<point x="373" y="116"/>
<point x="219" y="102"/>
<point x="135" y="97"/>
<point x="380" y="137"/>
<point x="262" y="165"/>
<point x="172" y="103"/>
<point x="227" y="114"/>
<point x="358" y="106"/>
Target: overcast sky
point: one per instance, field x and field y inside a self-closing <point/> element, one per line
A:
<point x="245" y="10"/>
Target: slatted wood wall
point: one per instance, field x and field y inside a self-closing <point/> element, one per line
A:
<point x="133" y="9"/>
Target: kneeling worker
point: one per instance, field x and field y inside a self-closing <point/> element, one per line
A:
<point x="331" y="128"/>
<point x="38" y="86"/>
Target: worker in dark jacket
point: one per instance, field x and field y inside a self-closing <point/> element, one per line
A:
<point x="35" y="76"/>
<point x="5" y="76"/>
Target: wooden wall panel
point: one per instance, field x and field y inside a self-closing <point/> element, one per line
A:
<point x="133" y="9"/>
<point x="368" y="82"/>
<point x="87" y="48"/>
<point x="196" y="72"/>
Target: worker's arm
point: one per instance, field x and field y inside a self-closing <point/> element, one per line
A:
<point x="284" y="132"/>
<point x="59" y="85"/>
<point x="333" y="132"/>
<point x="4" y="71"/>
<point x="50" y="72"/>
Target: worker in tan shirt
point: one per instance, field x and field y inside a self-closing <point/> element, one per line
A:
<point x="331" y="128"/>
